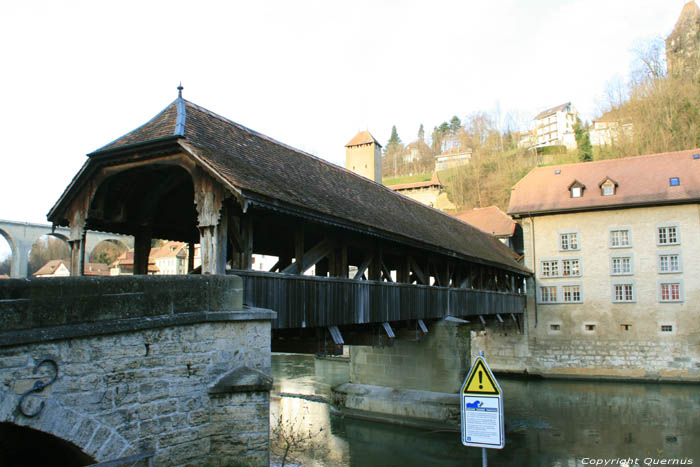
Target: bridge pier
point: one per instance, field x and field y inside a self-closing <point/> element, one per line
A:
<point x="20" y="258"/>
<point x="417" y="381"/>
<point x="173" y="368"/>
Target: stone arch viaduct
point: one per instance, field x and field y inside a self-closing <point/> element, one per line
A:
<point x="22" y="235"/>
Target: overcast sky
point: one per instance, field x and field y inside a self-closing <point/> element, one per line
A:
<point x="77" y="75"/>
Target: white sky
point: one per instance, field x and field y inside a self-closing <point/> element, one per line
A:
<point x="77" y="75"/>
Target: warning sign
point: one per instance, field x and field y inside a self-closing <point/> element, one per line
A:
<point x="482" y="408"/>
<point x="480" y="380"/>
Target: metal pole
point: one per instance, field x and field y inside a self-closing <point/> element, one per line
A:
<point x="484" y="459"/>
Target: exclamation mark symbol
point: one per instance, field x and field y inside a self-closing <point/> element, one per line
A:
<point x="481" y="377"/>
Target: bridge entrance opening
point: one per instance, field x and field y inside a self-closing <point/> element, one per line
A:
<point x="22" y="446"/>
<point x="5" y="255"/>
<point x="103" y="255"/>
<point x="156" y="197"/>
<point x="49" y="256"/>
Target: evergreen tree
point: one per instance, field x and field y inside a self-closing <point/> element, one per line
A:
<point x="583" y="142"/>
<point x="394" y="140"/>
<point x="455" y="124"/>
<point x="421" y="133"/>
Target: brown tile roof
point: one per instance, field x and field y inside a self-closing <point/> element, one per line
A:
<point x="434" y="181"/>
<point x="272" y="174"/>
<point x="553" y="110"/>
<point x="51" y="266"/>
<point x="168" y="250"/>
<point x="642" y="180"/>
<point x="490" y="219"/>
<point x="363" y="137"/>
<point x="90" y="269"/>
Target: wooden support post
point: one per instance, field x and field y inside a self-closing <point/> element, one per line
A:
<point x="403" y="273"/>
<point x="190" y="257"/>
<point x="235" y="241"/>
<point x="375" y="267"/>
<point x="247" y="238"/>
<point x="363" y="267"/>
<point x="212" y="222"/>
<point x="77" y="256"/>
<point x="142" y="250"/>
<point x="298" y="251"/>
<point x="343" y="261"/>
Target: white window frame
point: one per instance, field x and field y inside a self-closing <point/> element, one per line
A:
<point x="621" y="273"/>
<point x="540" y="297"/>
<point x="549" y="262"/>
<point x="568" y="233"/>
<point x="669" y="253"/>
<point x="665" y="227"/>
<point x="612" y="230"/>
<point x="678" y="282"/>
<point x="623" y="283"/>
<point x="576" y="192"/>
<point x="563" y="267"/>
<point x="563" y="293"/>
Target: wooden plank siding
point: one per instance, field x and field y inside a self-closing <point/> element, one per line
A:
<point x="311" y="301"/>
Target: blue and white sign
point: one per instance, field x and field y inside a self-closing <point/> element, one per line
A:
<point x="482" y="408"/>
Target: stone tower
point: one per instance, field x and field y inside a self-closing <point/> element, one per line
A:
<point x="683" y="44"/>
<point x="363" y="156"/>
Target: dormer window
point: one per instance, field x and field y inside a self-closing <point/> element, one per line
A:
<point x="608" y="186"/>
<point x="576" y="189"/>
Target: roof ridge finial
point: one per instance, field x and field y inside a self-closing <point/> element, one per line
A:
<point x="179" y="91"/>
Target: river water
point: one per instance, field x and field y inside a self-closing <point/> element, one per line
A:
<point x="548" y="423"/>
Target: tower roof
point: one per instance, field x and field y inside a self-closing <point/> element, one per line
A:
<point x="363" y="137"/>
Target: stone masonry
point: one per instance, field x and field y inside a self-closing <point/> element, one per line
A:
<point x="173" y="365"/>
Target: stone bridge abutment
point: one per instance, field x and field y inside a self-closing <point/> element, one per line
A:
<point x="173" y="368"/>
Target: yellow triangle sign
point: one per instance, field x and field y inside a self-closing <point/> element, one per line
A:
<point x="481" y="380"/>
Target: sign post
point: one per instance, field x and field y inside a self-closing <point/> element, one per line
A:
<point x="481" y="406"/>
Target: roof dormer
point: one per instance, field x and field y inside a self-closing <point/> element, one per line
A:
<point x="576" y="189"/>
<point x="608" y="186"/>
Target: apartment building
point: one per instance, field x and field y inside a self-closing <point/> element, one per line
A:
<point x="613" y="245"/>
<point x="555" y="126"/>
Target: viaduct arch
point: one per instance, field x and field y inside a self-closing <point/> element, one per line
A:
<point x="22" y="235"/>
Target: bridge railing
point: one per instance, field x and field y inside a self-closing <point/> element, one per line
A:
<point x="310" y="301"/>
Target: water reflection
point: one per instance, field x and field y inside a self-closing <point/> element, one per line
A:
<point x="548" y="423"/>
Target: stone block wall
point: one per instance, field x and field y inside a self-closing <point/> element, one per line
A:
<point x="439" y="364"/>
<point x="192" y="387"/>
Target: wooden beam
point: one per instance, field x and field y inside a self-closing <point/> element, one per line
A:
<point x="311" y="257"/>
<point x="374" y="273"/>
<point x="298" y="251"/>
<point x="142" y="249"/>
<point x="363" y="267"/>
<point x="387" y="273"/>
<point x="417" y="271"/>
<point x="190" y="257"/>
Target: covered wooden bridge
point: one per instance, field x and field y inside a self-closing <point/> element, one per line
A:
<point x="382" y="263"/>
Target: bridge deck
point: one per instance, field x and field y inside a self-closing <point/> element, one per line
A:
<point x="310" y="301"/>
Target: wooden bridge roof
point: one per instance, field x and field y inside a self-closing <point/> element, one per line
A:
<point x="273" y="175"/>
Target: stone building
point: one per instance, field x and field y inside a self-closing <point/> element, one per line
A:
<point x="613" y="245"/>
<point x="363" y="155"/>
<point x="431" y="192"/>
<point x="683" y="44"/>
